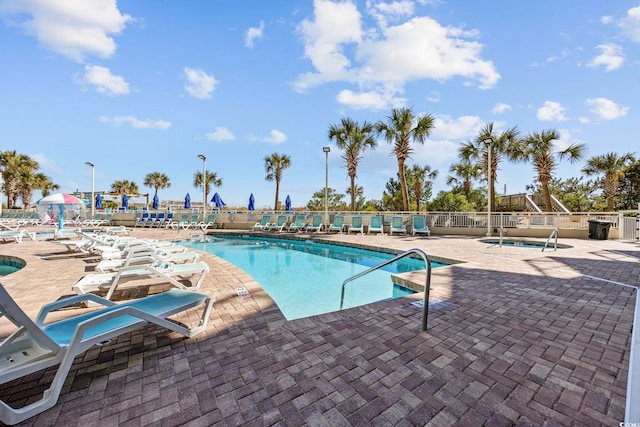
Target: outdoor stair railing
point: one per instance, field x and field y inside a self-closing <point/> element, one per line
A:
<point x="427" y="283"/>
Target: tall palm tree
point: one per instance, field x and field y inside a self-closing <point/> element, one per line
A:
<point x="402" y="129"/>
<point x="274" y="164"/>
<point x="419" y="180"/>
<point x="124" y="187"/>
<point x="612" y="166"/>
<point x="211" y="179"/>
<point x="353" y="139"/>
<point x="540" y="148"/>
<point x="13" y="165"/>
<point x="45" y="185"/>
<point x="156" y="180"/>
<point x="502" y="144"/>
<point x="465" y="173"/>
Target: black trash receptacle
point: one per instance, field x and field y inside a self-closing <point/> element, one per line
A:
<point x="599" y="229"/>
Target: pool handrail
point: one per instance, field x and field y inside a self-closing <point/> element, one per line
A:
<point x="555" y="245"/>
<point x="427" y="283"/>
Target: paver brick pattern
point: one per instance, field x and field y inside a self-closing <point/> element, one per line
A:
<point x="518" y="338"/>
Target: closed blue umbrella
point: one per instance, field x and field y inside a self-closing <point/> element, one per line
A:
<point x="187" y="201"/>
<point x="217" y="201"/>
<point x="252" y="202"/>
<point x="125" y="201"/>
<point x="98" y="201"/>
<point x="156" y="201"/>
<point x="287" y="203"/>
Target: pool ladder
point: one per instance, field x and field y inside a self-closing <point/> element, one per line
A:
<point x="555" y="244"/>
<point x="427" y="283"/>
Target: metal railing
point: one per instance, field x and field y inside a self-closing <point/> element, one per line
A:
<point x="555" y="244"/>
<point x="427" y="260"/>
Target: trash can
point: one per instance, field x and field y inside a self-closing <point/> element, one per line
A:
<point x="599" y="229"/>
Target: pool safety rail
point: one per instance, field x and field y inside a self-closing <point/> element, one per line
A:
<point x="427" y="283"/>
<point x="551" y="236"/>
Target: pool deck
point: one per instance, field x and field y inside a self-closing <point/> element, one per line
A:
<point x="516" y="336"/>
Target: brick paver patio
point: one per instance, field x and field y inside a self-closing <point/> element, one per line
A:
<point x="516" y="337"/>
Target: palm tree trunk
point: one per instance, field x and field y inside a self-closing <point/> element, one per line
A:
<point x="275" y="205"/>
<point x="403" y="185"/>
<point x="353" y="192"/>
<point x="547" y="195"/>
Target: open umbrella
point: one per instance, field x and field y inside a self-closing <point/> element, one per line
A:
<point x="125" y="201"/>
<point x="287" y="204"/>
<point x="217" y="201"/>
<point x="156" y="201"/>
<point x="187" y="201"/>
<point x="252" y="202"/>
<point x="98" y="201"/>
<point x="64" y="202"/>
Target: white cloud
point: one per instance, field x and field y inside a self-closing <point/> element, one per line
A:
<point x="104" y="81"/>
<point x="463" y="127"/>
<point x="368" y="100"/>
<point x="605" y="109"/>
<point x="631" y="24"/>
<point x="500" y="108"/>
<point x="610" y="57"/>
<point x="552" y="111"/>
<point x="136" y="123"/>
<point x="199" y="84"/>
<point x="385" y="58"/>
<point x="253" y="33"/>
<point x="220" y="134"/>
<point x="71" y="28"/>
<point x="275" y="137"/>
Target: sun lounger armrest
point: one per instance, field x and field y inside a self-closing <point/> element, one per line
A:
<point x="46" y="309"/>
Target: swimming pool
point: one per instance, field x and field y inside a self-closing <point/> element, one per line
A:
<point x="10" y="264"/>
<point x="304" y="278"/>
<point x="524" y="243"/>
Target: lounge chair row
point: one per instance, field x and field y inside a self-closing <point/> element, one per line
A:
<point x="418" y="225"/>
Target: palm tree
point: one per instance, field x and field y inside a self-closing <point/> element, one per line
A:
<point x="13" y="165"/>
<point x="612" y="166"/>
<point x="465" y="173"/>
<point x="156" y="180"/>
<point x="419" y="180"/>
<point x="402" y="129"/>
<point x="44" y="184"/>
<point x="353" y="139"/>
<point x="211" y="179"/>
<point x="502" y="144"/>
<point x="540" y="149"/>
<point x="274" y="164"/>
<point x="124" y="187"/>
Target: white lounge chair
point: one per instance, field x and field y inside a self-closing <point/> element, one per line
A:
<point x="146" y="257"/>
<point x="418" y="226"/>
<point x="279" y="225"/>
<point x="316" y="224"/>
<point x="337" y="225"/>
<point x="209" y="222"/>
<point x="376" y="225"/>
<point x="397" y="226"/>
<point x="36" y="346"/>
<point x="356" y="225"/>
<point x="16" y="235"/>
<point x="264" y="222"/>
<point x="166" y="271"/>
<point x="298" y="224"/>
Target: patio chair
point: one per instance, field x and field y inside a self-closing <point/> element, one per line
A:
<point x="356" y="225"/>
<point x="376" y="225"/>
<point x="142" y="220"/>
<point x="316" y="224"/>
<point x="337" y="225"/>
<point x="266" y="220"/>
<point x="418" y="226"/>
<point x="397" y="226"/>
<point x="146" y="257"/>
<point x="279" y="225"/>
<point x="152" y="219"/>
<point x="165" y="270"/>
<point x="16" y="235"/>
<point x="36" y="346"/>
<point x="298" y="224"/>
<point x="175" y="224"/>
<point x="209" y="222"/>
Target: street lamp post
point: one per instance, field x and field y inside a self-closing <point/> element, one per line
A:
<point x="489" y="142"/>
<point x="93" y="203"/>
<point x="204" y="184"/>
<point x="326" y="186"/>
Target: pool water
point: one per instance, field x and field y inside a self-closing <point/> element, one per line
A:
<point x="305" y="278"/>
<point x="10" y="265"/>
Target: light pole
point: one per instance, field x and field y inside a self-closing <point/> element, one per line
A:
<point x="204" y="184"/>
<point x="326" y="185"/>
<point x="489" y="142"/>
<point x="93" y="203"/>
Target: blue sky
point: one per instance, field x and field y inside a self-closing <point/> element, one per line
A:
<point x="139" y="86"/>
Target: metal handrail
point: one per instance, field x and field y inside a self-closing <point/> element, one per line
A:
<point x="427" y="283"/>
<point x="555" y="245"/>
